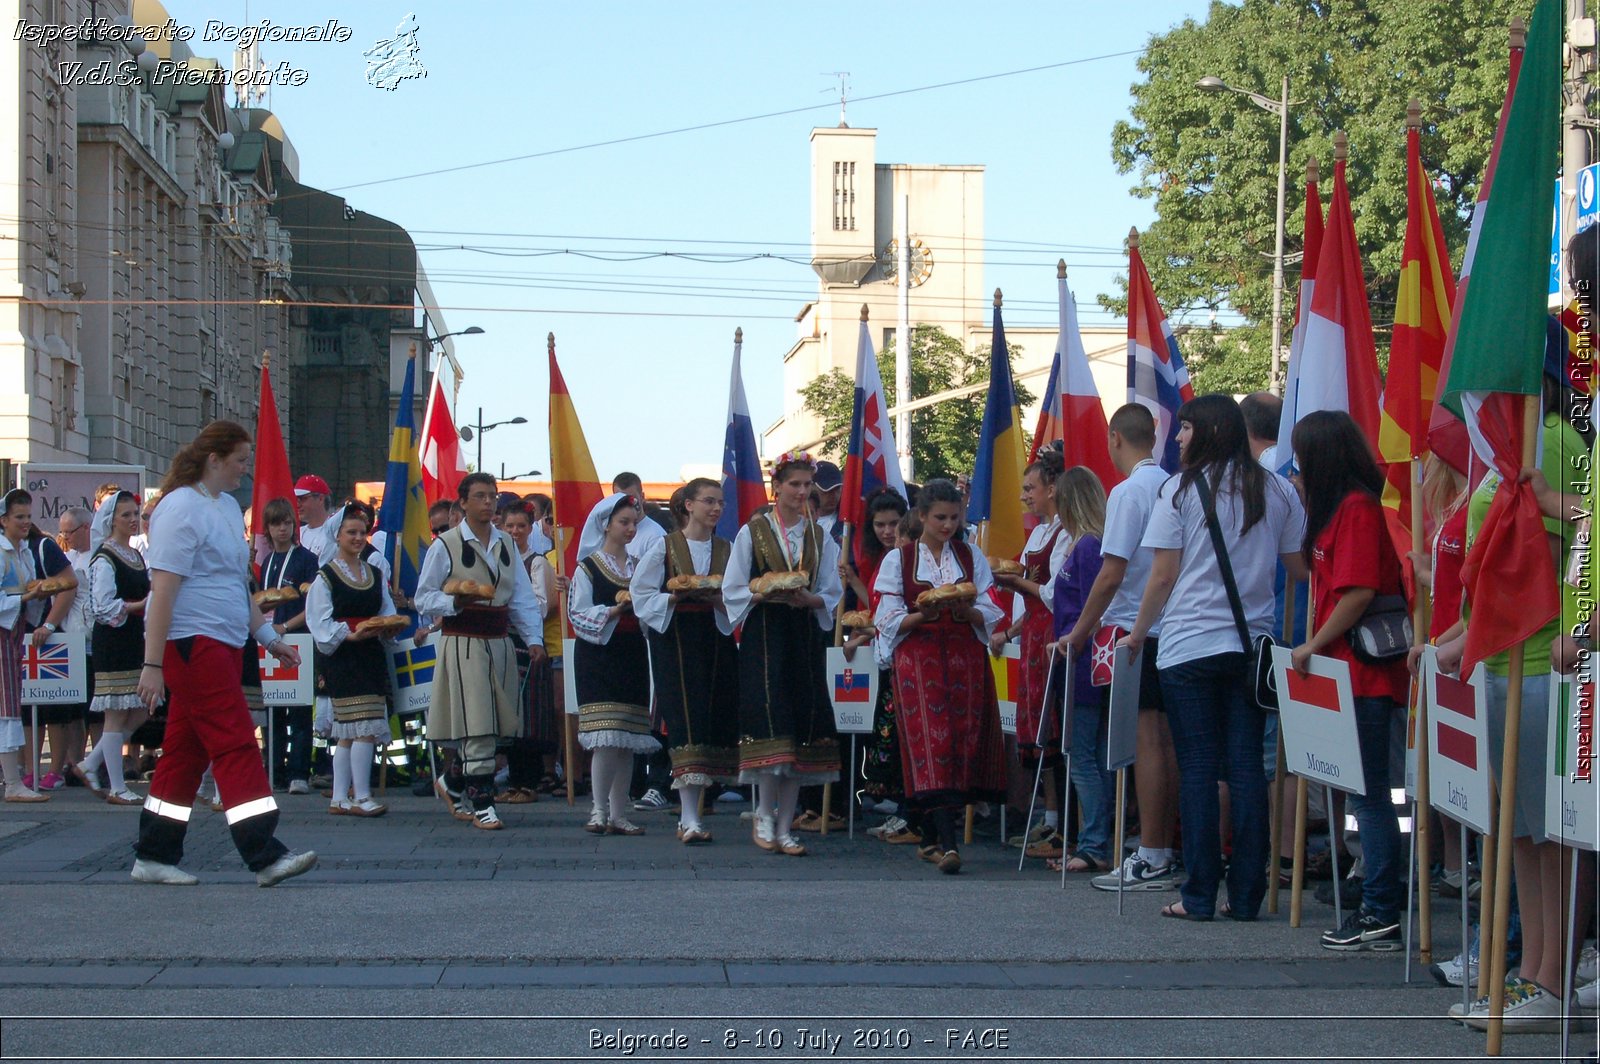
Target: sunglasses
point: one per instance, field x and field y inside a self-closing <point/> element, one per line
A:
<point x="441" y="530"/>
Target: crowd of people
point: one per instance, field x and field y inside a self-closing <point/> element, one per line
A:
<point x="699" y="662"/>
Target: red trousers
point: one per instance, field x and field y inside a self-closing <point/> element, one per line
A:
<point x="208" y="723"/>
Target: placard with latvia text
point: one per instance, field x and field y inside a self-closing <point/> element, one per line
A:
<point x="1458" y="744"/>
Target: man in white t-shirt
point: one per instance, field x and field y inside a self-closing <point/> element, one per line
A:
<point x="319" y="524"/>
<point x="1114" y="603"/>
<point x="649" y="530"/>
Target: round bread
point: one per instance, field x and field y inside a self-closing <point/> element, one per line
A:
<point x="624" y="598"/>
<point x="857" y="619"/>
<point x="305" y="588"/>
<point x="53" y="585"/>
<point x="468" y="589"/>
<point x="275" y="596"/>
<point x="767" y="583"/>
<point x="1005" y="567"/>
<point x="394" y="622"/>
<point x="947" y="596"/>
<point x="690" y="583"/>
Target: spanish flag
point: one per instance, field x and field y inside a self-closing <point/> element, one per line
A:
<point x="1421" y="319"/>
<point x="574" y="486"/>
<point x="996" y="503"/>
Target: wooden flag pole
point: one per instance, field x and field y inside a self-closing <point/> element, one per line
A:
<point x="838" y="640"/>
<point x="1422" y="811"/>
<point x="1276" y="794"/>
<point x="568" y="732"/>
<point x="1496" y="943"/>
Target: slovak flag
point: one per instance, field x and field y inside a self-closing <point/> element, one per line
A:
<point x="870" y="464"/>
<point x="743" y="490"/>
<point x="1071" y="411"/>
<point x="47" y="662"/>
<point x="1314" y="690"/>
<point x="414" y="666"/>
<point x="851" y="686"/>
<point x="276" y="668"/>
<point x="1157" y="377"/>
<point x="1458" y="699"/>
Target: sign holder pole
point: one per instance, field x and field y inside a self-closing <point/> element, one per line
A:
<point x="36" y="748"/>
<point x="1411" y="896"/>
<point x="852" y="802"/>
<point x="1333" y="851"/>
<point x="1066" y="768"/>
<point x="1466" y="929"/>
<point x="272" y="762"/>
<point x="1275" y="795"/>
<point x="1570" y="943"/>
<point x="1038" y="769"/>
<point x="1122" y="799"/>
<point x="1298" y="874"/>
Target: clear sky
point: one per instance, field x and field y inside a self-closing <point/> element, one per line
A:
<point x="535" y="246"/>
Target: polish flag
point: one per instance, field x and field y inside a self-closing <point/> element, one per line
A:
<point x="1071" y="411"/>
<point x="1311" y="247"/>
<point x="443" y="465"/>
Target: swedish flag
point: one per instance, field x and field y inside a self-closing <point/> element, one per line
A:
<point x="404" y="518"/>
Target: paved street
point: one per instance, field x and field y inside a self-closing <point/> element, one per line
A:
<point x="421" y="938"/>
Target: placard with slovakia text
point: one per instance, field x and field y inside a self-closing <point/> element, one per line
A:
<point x="853" y="688"/>
<point x="1317" y="715"/>
<point x="1571" y="799"/>
<point x="1458" y="744"/>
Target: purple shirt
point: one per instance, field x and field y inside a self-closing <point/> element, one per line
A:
<point x="1072" y="584"/>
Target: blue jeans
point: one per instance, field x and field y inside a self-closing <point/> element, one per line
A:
<point x="1218" y="732"/>
<point x="1095" y="784"/>
<point x="1382" y="891"/>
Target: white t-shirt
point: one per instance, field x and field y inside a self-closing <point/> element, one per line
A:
<point x="648" y="532"/>
<point x="323" y="540"/>
<point x="1128" y="510"/>
<point x="201" y="539"/>
<point x="1198" y="622"/>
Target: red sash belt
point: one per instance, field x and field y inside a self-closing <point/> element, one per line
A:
<point x="480" y="622"/>
<point x="628" y="622"/>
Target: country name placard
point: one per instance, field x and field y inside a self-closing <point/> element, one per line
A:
<point x="1317" y="713"/>
<point x="853" y="689"/>
<point x="1458" y="744"/>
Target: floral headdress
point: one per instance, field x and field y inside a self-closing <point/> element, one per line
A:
<point x="795" y="458"/>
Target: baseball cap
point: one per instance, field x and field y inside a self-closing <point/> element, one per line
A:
<point x="828" y="477"/>
<point x="311" y="484"/>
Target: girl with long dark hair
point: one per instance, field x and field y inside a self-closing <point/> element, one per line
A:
<point x="1352" y="561"/>
<point x="1217" y="727"/>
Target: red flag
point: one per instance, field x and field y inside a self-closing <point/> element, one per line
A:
<point x="443" y="464"/>
<point x="574" y="485"/>
<point x="1071" y="411"/>
<point x="1311" y="690"/>
<point x="272" y="479"/>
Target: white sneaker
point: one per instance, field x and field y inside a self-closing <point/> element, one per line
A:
<point x="730" y="796"/>
<point x="286" y="867"/>
<point x="1138" y="874"/>
<point x="1527" y="1010"/>
<point x="165" y="874"/>
<point x="299" y="787"/>
<point x="888" y="827"/>
<point x="1453" y="971"/>
<point x="1588" y="965"/>
<point x="1588" y="997"/>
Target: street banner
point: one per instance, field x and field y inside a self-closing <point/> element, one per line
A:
<point x="283" y="684"/>
<point x="58" y="487"/>
<point x="1458" y="744"/>
<point x="1571" y="799"/>
<point x="1122" y="725"/>
<point x="1317" y="717"/>
<point x="412" y="667"/>
<point x="853" y="687"/>
<point x="55" y="672"/>
<point x="1006" y="685"/>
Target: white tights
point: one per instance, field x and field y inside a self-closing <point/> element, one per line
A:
<point x="610" y="773"/>
<point x="776" y="796"/>
<point x="689" y="799"/>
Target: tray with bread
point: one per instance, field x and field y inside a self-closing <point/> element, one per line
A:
<point x="769" y="583"/>
<point x="857" y="619"/>
<point x="950" y="596"/>
<point x="471" y="589"/>
<point x="54" y="585"/>
<point x="1005" y="567"/>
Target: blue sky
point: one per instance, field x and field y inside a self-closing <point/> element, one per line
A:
<point x="645" y="344"/>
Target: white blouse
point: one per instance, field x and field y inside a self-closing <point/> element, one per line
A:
<point x="1058" y="558"/>
<point x="936" y="571"/>
<point x="653" y="605"/>
<point x="590" y="621"/>
<point x="328" y="633"/>
<point x="104" y="605"/>
<point x="736" y="597"/>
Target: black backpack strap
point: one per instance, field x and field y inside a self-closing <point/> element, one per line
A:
<point x="1208" y="504"/>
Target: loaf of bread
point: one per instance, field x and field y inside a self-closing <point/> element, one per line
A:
<point x="767" y="583"/>
<point x="948" y="596"/>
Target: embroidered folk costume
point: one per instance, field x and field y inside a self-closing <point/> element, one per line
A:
<point x="1047" y="548"/>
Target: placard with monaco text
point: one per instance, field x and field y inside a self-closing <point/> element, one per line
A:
<point x="1317" y="714"/>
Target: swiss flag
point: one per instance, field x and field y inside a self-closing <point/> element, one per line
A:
<point x="443" y="465"/>
<point x="275" y="668"/>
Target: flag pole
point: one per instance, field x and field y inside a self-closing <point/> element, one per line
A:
<point x="569" y="747"/>
<point x="1496" y="943"/>
<point x="1276" y="794"/>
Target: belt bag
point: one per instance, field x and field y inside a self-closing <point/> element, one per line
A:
<point x="1264" y="689"/>
<point x="1383" y="634"/>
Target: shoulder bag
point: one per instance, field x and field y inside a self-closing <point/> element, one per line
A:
<point x="1265" y="686"/>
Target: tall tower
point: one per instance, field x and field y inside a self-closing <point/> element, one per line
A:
<point x="843" y="204"/>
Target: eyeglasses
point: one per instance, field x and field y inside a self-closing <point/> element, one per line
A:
<point x="441" y="530"/>
<point x="74" y="530"/>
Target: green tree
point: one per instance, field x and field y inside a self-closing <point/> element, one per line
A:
<point x="1209" y="161"/>
<point x="944" y="436"/>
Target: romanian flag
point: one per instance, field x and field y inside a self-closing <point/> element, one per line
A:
<point x="1071" y="411"/>
<point x="996" y="504"/>
<point x="1498" y="362"/>
<point x="1421" y="319"/>
<point x="1157" y="377"/>
<point x="574" y="485"/>
<point x="272" y="479"/>
<point x="404" y="516"/>
<point x="1447" y="436"/>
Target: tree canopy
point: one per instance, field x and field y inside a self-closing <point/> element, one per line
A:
<point x="944" y="436"/>
<point x="1209" y="161"/>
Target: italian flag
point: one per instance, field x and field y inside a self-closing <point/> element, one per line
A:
<point x="1498" y="357"/>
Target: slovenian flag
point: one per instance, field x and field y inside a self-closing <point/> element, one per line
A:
<point x="997" y="474"/>
<point x="743" y="490"/>
<point x="1157" y="377"/>
<point x="851" y="686"/>
<point x="870" y="463"/>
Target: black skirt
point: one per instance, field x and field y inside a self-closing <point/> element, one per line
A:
<point x="697" y="695"/>
<point x="785" y="714"/>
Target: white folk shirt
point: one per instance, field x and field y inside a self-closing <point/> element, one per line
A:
<point x="936" y="572"/>
<point x="526" y="605"/>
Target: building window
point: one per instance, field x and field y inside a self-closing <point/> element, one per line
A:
<point x="844" y="196"/>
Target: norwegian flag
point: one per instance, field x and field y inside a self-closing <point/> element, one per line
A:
<point x="47" y="662"/>
<point x="851" y="686"/>
<point x="1313" y="690"/>
<point x="276" y="669"/>
<point x="1458" y="699"/>
<point x="870" y="464"/>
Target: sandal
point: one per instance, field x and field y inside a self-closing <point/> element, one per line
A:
<point x="1176" y="911"/>
<point x="1082" y="863"/>
<point x="1052" y="864"/>
<point x="1226" y="909"/>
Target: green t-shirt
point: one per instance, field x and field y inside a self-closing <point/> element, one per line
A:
<point x="1565" y="464"/>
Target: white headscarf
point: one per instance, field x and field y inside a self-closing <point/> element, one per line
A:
<point x="594" y="528"/>
<point x="100" y="528"/>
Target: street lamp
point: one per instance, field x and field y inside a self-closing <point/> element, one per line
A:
<point x="468" y="435"/>
<point x="519" y="476"/>
<point x="470" y="330"/>
<point x="1281" y="109"/>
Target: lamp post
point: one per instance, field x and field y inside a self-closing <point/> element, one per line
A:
<point x="519" y="476"/>
<point x="1281" y="109"/>
<point x="467" y="433"/>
